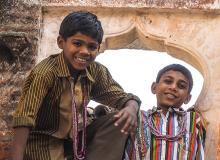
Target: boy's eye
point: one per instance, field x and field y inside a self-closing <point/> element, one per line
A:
<point x="92" y="47"/>
<point x="168" y="81"/>
<point x="77" y="44"/>
<point x="182" y="86"/>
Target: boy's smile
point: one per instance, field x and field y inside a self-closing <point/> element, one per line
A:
<point x="171" y="90"/>
<point x="79" y="50"/>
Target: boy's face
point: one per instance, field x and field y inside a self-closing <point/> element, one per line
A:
<point x="80" y="50"/>
<point x="171" y="90"/>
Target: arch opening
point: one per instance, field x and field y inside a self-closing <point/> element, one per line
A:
<point x="138" y="38"/>
<point x="135" y="70"/>
<point x="130" y="30"/>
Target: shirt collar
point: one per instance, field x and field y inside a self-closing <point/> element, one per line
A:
<point x="179" y="111"/>
<point x="86" y="74"/>
<point x="63" y="70"/>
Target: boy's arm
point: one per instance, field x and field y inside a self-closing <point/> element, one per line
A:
<point x="34" y="91"/>
<point x="107" y="91"/>
<point x="19" y="143"/>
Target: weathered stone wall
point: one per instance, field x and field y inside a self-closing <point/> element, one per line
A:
<point x="218" y="149"/>
<point x="186" y="29"/>
<point x="19" y="35"/>
<point x="152" y="4"/>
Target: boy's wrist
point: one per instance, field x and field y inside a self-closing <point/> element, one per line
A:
<point x="133" y="103"/>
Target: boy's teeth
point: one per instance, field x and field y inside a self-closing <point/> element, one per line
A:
<point x="81" y="59"/>
<point x="170" y="96"/>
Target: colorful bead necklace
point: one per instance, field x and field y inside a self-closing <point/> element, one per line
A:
<point x="146" y="127"/>
<point x="159" y="135"/>
<point x="143" y="136"/>
<point x="79" y="153"/>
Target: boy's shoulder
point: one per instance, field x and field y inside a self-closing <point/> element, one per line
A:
<point x="195" y="115"/>
<point x="96" y="68"/>
<point x="194" y="112"/>
<point x="96" y="65"/>
<point x="46" y="66"/>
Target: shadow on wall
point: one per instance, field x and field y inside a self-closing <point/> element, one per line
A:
<point x="6" y="56"/>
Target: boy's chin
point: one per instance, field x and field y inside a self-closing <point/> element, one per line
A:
<point x="79" y="67"/>
<point x="169" y="106"/>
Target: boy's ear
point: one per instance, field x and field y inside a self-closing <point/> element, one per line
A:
<point x="188" y="98"/>
<point x="153" y="87"/>
<point x="60" y="41"/>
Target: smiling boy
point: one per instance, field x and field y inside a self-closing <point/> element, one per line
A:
<point x="167" y="132"/>
<point x="51" y="121"/>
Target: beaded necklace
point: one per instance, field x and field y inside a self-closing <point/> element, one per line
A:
<point x="159" y="135"/>
<point x="141" y="132"/>
<point x="79" y="153"/>
<point x="145" y="121"/>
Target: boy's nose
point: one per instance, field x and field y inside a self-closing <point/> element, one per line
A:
<point x="173" y="86"/>
<point x="84" y="50"/>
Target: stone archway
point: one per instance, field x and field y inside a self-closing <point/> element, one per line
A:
<point x="186" y="29"/>
<point x="128" y="29"/>
<point x="135" y="38"/>
<point x="179" y="34"/>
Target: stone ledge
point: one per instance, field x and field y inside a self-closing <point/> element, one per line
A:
<point x="149" y="4"/>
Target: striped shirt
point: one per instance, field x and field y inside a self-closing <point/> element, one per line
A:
<point x="147" y="147"/>
<point x="45" y="103"/>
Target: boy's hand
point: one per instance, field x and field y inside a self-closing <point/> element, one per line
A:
<point x="20" y="139"/>
<point x="128" y="117"/>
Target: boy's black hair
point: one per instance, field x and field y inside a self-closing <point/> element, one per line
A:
<point x="179" y="68"/>
<point x="83" y="22"/>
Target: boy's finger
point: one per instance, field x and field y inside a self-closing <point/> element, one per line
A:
<point x="132" y="127"/>
<point x="127" y="126"/>
<point x="118" y="115"/>
<point x="121" y="118"/>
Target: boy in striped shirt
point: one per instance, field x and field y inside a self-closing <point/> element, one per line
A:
<point x="51" y="120"/>
<point x="167" y="132"/>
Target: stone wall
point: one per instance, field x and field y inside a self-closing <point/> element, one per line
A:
<point x="19" y="35"/>
<point x="150" y="4"/>
<point x="218" y="149"/>
<point x="185" y="29"/>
